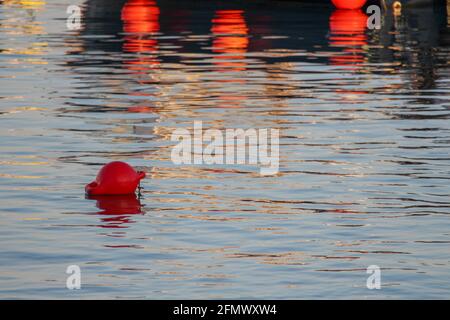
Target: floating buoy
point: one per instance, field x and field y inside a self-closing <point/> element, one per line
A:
<point x="140" y="19"/>
<point x="115" y="178"/>
<point x="349" y="4"/>
<point x="397" y="7"/>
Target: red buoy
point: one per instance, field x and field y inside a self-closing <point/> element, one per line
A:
<point x="349" y="4"/>
<point x="115" y="178"/>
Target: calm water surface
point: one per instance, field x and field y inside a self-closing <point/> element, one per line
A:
<point x="364" y="119"/>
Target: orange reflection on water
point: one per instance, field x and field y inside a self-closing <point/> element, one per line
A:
<point x="140" y="19"/>
<point x="230" y="38"/>
<point x="142" y="109"/>
<point x="230" y="44"/>
<point x="347" y="31"/>
<point x="140" y="22"/>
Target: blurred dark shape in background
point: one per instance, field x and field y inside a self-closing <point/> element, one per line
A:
<point x="417" y="39"/>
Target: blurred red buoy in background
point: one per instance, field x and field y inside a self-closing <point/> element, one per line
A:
<point x="349" y="4"/>
<point x="140" y="16"/>
<point x="347" y="28"/>
<point x="115" y="178"/>
<point x="348" y="32"/>
<point x="140" y="20"/>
